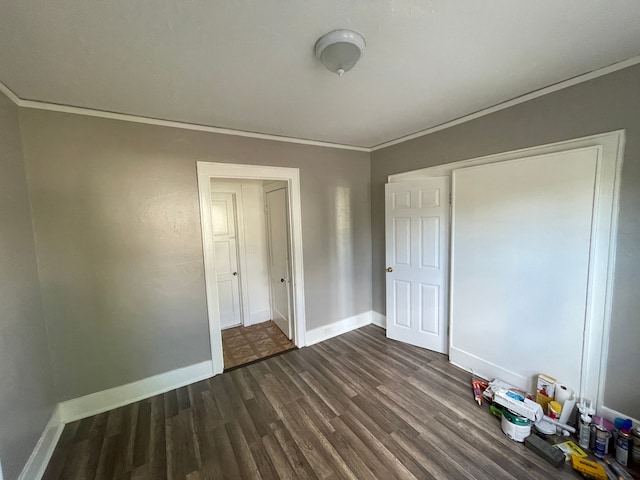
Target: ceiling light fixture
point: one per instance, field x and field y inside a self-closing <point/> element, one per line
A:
<point x="340" y="50"/>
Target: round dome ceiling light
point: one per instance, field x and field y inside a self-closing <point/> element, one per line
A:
<point x="340" y="50"/>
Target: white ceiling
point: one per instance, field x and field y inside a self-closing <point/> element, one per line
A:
<point x="249" y="64"/>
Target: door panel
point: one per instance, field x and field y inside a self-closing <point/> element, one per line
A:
<point x="430" y="244"/>
<point x="429" y="314"/>
<point x="401" y="246"/>
<point x="402" y="301"/>
<point x="226" y="258"/>
<point x="521" y="264"/>
<point x="417" y="229"/>
<point x="278" y="237"/>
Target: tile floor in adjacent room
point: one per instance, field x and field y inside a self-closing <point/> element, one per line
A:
<point x="241" y="345"/>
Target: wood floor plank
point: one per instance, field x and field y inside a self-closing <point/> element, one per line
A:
<point x="93" y="446"/>
<point x="243" y="386"/>
<point x="297" y="460"/>
<point x="366" y="454"/>
<point x="368" y="440"/>
<point x="61" y="452"/>
<point x="314" y="444"/>
<point x="262" y="460"/>
<point x="358" y="406"/>
<point x="183" y="452"/>
<point x="355" y="463"/>
<point x="225" y="454"/>
<point x="142" y="435"/>
<point x="246" y="463"/>
<point x="107" y="462"/>
<point x="278" y="458"/>
<point x="157" y="461"/>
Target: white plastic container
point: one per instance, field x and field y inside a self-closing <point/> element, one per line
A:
<point x="514" y="426"/>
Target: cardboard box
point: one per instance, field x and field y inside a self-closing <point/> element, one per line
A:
<point x="545" y="390"/>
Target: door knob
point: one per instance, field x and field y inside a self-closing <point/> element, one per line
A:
<point x="235" y="274"/>
<point x="282" y="280"/>
<point x="389" y="269"/>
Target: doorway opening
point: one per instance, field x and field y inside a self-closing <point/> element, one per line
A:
<point x="252" y="240"/>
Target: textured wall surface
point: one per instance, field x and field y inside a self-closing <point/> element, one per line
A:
<point x="27" y="395"/>
<point x="116" y="217"/>
<point x="604" y="104"/>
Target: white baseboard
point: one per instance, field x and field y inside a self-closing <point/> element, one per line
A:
<point x="39" y="459"/>
<point x="99" y="402"/>
<point x="611" y="414"/>
<point x="334" y="329"/>
<point x="258" y="317"/>
<point x="95" y="403"/>
<point x="379" y="319"/>
<point x="485" y="369"/>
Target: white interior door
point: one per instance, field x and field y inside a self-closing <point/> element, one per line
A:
<point x="417" y="249"/>
<point x="226" y="258"/>
<point x="520" y="266"/>
<point x="278" y="240"/>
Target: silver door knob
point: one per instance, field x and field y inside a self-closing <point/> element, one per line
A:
<point x="389" y="269"/>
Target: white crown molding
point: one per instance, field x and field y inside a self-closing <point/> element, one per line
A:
<point x="516" y="101"/>
<point x="263" y="136"/>
<point x="89" y="112"/>
<point x="9" y="94"/>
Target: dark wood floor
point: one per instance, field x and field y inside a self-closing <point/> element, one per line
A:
<point x="358" y="406"/>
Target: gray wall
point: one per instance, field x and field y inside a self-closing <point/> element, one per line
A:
<point x="607" y="103"/>
<point x="116" y="217"/>
<point x="27" y="393"/>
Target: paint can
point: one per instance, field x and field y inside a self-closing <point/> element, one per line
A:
<point x="601" y="445"/>
<point x="624" y="445"/>
<point x="635" y="450"/>
<point x="514" y="426"/>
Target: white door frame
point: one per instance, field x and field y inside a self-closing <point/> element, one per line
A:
<point x="603" y="248"/>
<point x="208" y="170"/>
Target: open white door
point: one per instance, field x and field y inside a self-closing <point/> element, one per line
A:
<point x="278" y="240"/>
<point x="417" y="245"/>
<point x="225" y="247"/>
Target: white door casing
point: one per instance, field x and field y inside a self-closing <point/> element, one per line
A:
<point x="278" y="246"/>
<point x="417" y="241"/>
<point x="207" y="171"/>
<point x="223" y="212"/>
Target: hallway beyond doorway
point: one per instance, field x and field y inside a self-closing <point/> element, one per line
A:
<point x="242" y="345"/>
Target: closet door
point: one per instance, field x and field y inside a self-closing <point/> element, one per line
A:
<point x="521" y="239"/>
